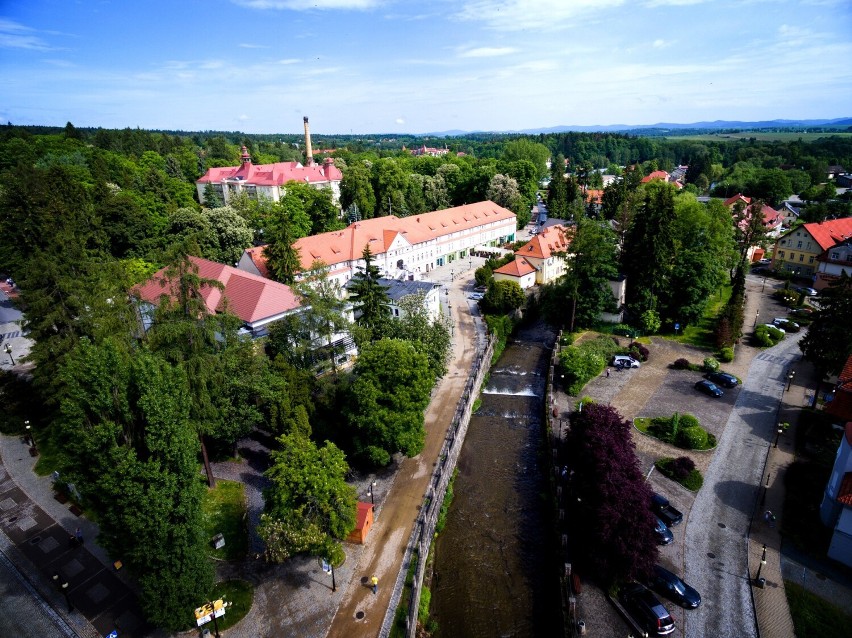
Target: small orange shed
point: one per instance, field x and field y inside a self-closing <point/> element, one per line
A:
<point x="363" y="523"/>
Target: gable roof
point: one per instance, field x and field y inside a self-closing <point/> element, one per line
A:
<point x="517" y="268"/>
<point x="341" y="246"/>
<point x="739" y="197"/>
<point x="549" y="241"/>
<point x="250" y="297"/>
<point x="663" y="175"/>
<point x="273" y="174"/>
<point x="830" y="232"/>
<point x="594" y="196"/>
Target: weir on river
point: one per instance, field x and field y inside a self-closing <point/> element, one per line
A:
<point x="495" y="572"/>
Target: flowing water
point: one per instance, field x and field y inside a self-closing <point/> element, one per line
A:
<point x="495" y="569"/>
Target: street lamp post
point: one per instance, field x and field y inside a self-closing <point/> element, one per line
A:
<point x="778" y="434"/>
<point x="756" y="315"/>
<point x="8" y="349"/>
<point x="762" y="563"/>
<point x="790" y="376"/>
<point x="30" y="437"/>
<point x="372" y="493"/>
<point x="764" y="285"/>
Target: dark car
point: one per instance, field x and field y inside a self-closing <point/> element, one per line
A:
<point x="672" y="587"/>
<point x="663" y="533"/>
<point x="723" y="379"/>
<point x="664" y="510"/>
<point x="708" y="387"/>
<point x="646" y="610"/>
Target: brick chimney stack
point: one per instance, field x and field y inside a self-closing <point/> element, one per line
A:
<point x="309" y="152"/>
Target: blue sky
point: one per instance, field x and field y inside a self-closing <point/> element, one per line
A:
<point x="385" y="66"/>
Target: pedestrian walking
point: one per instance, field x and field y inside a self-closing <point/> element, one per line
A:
<point x="607" y="373"/>
<point x="769" y="517"/>
<point x="79" y="536"/>
<point x="375" y="581"/>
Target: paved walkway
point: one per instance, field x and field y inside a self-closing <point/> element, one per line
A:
<point x="36" y="529"/>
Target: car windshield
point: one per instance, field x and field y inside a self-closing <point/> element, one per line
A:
<point x="677" y="585"/>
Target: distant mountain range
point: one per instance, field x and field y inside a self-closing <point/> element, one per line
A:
<point x="668" y="126"/>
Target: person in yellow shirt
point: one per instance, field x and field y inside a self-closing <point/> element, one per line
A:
<point x="375" y="581"/>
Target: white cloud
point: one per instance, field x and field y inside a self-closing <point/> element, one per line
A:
<point x="17" y="36"/>
<point x="672" y="3"/>
<point x="487" y="52"/>
<point x="518" y="15"/>
<point x="299" y="5"/>
<point x="243" y="118"/>
<point x="661" y="44"/>
<point x="399" y="120"/>
<point x="246" y="45"/>
<point x="289" y="61"/>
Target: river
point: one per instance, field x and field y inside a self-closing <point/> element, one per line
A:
<point x="495" y="562"/>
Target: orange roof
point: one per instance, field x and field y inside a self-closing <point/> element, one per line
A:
<point x="594" y="196"/>
<point x="273" y="174"/>
<point x="258" y="259"/>
<point x="361" y="515"/>
<point x="830" y="232"/>
<point x="378" y="233"/>
<point x="250" y="297"/>
<point x="656" y="175"/>
<point x="517" y="268"/>
<point x="739" y="197"/>
<point x="551" y="240"/>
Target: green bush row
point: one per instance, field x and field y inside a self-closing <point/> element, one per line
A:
<point x="583" y="362"/>
<point x="683" y="431"/>
<point x="692" y="481"/>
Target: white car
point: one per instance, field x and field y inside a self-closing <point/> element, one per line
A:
<point x="772" y="325"/>
<point x="624" y="361"/>
<point x="475" y="296"/>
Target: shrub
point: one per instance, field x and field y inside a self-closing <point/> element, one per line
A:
<point x="681" y="467"/>
<point x="638" y="351"/>
<point x="727" y="354"/>
<point x="681" y="364"/>
<point x="650" y="321"/>
<point x="624" y="330"/>
<point x="767" y="335"/>
<point x="688" y="421"/>
<point x="711" y="364"/>
<point x="693" y="481"/>
<point x="692" y="438"/>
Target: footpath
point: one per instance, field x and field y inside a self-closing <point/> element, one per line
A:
<point x="76" y="583"/>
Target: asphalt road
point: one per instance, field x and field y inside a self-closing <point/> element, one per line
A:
<point x="715" y="545"/>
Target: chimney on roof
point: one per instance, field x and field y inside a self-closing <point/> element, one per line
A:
<point x="245" y="158"/>
<point x="309" y="152"/>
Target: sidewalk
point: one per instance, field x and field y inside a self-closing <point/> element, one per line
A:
<point x="36" y="529"/>
<point x="770" y="602"/>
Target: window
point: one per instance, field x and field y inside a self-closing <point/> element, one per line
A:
<point x="792" y="256"/>
<point x="799" y="245"/>
<point x="802" y="257"/>
<point x="811" y="259"/>
<point x="781" y="253"/>
<point x="835" y="255"/>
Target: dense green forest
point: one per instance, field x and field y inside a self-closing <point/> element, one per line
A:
<point x="85" y="214"/>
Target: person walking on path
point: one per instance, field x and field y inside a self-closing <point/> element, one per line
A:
<point x="607" y="373"/>
<point x="375" y="581"/>
<point x="79" y="536"/>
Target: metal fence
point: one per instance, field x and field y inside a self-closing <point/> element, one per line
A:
<point x="424" y="528"/>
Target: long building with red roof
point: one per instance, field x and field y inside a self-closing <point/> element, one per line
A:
<point x="268" y="180"/>
<point x="402" y="247"/>
<point x="809" y="248"/>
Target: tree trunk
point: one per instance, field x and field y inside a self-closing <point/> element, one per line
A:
<point x="211" y="480"/>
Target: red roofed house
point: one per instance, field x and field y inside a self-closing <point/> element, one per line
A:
<point x="802" y="250"/>
<point x="520" y="271"/>
<point x="547" y="252"/>
<point x="363" y="523"/>
<point x="739" y="198"/>
<point x="258" y="302"/>
<point x="402" y="248"/>
<point x="268" y="180"/>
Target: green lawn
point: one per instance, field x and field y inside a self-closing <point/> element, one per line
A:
<point x="224" y="512"/>
<point x="239" y="594"/>
<point x="701" y="334"/>
<point x="814" y="617"/>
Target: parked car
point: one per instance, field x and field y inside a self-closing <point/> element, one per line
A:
<point x="806" y="291"/>
<point x="476" y="296"/>
<point x="772" y="325"/>
<point x="646" y="610"/>
<point x="709" y="388"/>
<point x="625" y="361"/>
<point x="664" y="510"/>
<point x="723" y="379"/>
<point x="672" y="587"/>
<point x="785" y="324"/>
<point x="802" y="312"/>
<point x="663" y="533"/>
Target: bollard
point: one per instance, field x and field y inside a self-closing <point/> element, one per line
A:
<point x="761" y="582"/>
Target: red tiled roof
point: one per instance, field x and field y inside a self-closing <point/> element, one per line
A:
<point x="656" y="175"/>
<point x="250" y="297"/>
<point x="594" y="196"/>
<point x="517" y="268"/>
<point x="739" y="197"/>
<point x="346" y="245"/>
<point x="551" y="240"/>
<point x="844" y="494"/>
<point x="361" y="515"/>
<point x="258" y="259"/>
<point x="274" y="174"/>
<point x="831" y="232"/>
